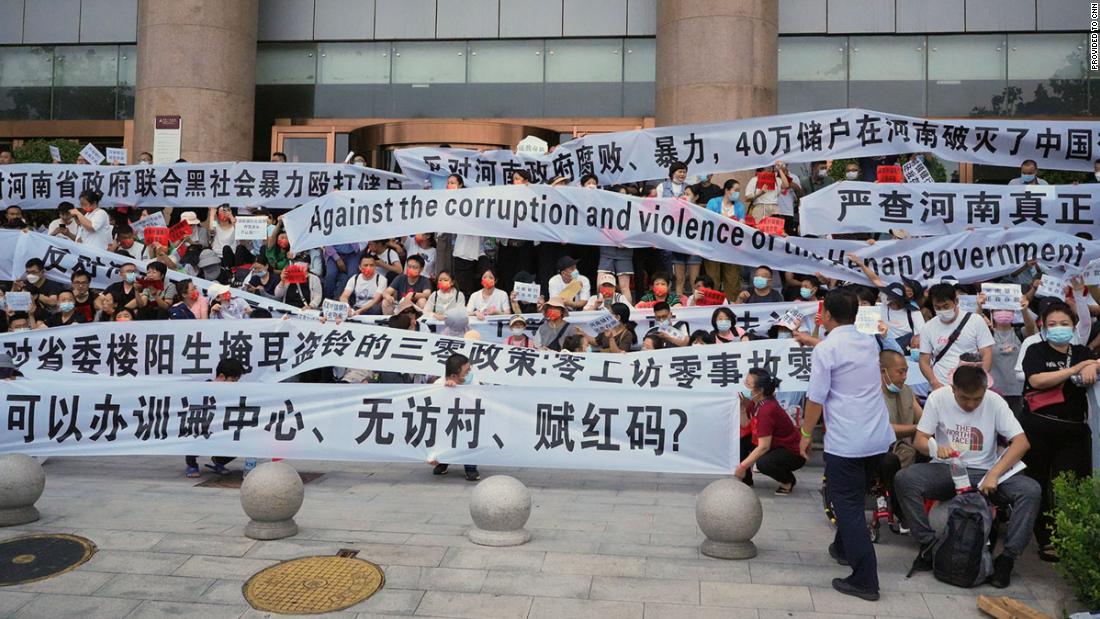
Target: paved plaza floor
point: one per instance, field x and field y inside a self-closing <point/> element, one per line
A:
<point x="605" y="545"/>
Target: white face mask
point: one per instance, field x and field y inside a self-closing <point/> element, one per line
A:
<point x="518" y="331"/>
<point x="1097" y="175"/>
<point x="851" y="175"/>
<point x="946" y="315"/>
<point x="32" y="278"/>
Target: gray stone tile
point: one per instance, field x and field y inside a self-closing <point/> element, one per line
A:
<point x="891" y="604"/>
<point x="482" y="558"/>
<point x="57" y="606"/>
<point x="541" y="584"/>
<point x="953" y="606"/>
<point x="697" y="569"/>
<point x="228" y="568"/>
<point x="557" y="608"/>
<point x="786" y="614"/>
<point x="252" y="613"/>
<point x="291" y="548"/>
<point x="11" y="601"/>
<point x="783" y="597"/>
<point x="76" y="582"/>
<point x="348" y="535"/>
<point x="224" y="592"/>
<point x="789" y="574"/>
<point x="450" y="579"/>
<point x="677" y="611"/>
<point x="474" y="605"/>
<point x="184" y="610"/>
<point x="205" y="545"/>
<point x="161" y="588"/>
<point x="645" y="590"/>
<point x="593" y="565"/>
<point x="394" y="601"/>
<point x="134" y="562"/>
<point x="106" y="539"/>
<point x="649" y="550"/>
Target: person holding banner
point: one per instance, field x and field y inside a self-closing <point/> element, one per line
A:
<point x="553" y="331"/>
<point x="773" y="433"/>
<point x="229" y="370"/>
<point x="762" y="291"/>
<point x="858" y="434"/>
<point x="725" y="330"/>
<point x="607" y="295"/>
<point x="410" y="284"/>
<point x="490" y="300"/>
<point x="457" y="372"/>
<point x="729" y="204"/>
<point x="95" y="223"/>
<point x="445" y="297"/>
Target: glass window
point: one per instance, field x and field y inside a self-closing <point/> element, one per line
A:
<point x="966" y="74"/>
<point x="286" y="64"/>
<point x="892" y="58"/>
<point x="434" y="62"/>
<point x="506" y="62"/>
<point x="127" y="65"/>
<point x="353" y="63"/>
<point x="26" y="67"/>
<point x="584" y="60"/>
<point x="306" y="150"/>
<point x="640" y="61"/>
<point x="86" y="65"/>
<point x="813" y="59"/>
<point x="1046" y="56"/>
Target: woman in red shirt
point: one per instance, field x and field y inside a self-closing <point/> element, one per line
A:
<point x="777" y="441"/>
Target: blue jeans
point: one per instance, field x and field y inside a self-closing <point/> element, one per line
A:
<point x="335" y="281"/>
<point x="847" y="482"/>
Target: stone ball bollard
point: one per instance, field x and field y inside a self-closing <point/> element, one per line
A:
<point x="271" y="494"/>
<point x="500" y="506"/>
<point x="22" y="481"/>
<point x="729" y="514"/>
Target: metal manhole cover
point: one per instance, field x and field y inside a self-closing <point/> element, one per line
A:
<point x="311" y="585"/>
<point x="235" y="478"/>
<point x="37" y="557"/>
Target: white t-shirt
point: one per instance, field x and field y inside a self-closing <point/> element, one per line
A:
<point x="498" y="300"/>
<point x="223" y="237"/>
<point x="973" y="434"/>
<point x="899" y="323"/>
<point x="428" y="254"/>
<point x="556" y="285"/>
<point x="935" y="333"/>
<point x="363" y="289"/>
<point x="467" y="247"/>
<point x="100" y="236"/>
<point x="73" y="226"/>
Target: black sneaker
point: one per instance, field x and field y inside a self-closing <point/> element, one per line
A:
<point x="843" y="586"/>
<point x="923" y="562"/>
<point x="440" y="469"/>
<point x="1002" y="572"/>
<point x="835" y="554"/>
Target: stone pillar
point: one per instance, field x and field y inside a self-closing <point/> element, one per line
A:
<point x="716" y="60"/>
<point x="197" y="59"/>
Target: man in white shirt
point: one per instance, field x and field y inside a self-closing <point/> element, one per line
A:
<point x="938" y="353"/>
<point x="65" y="225"/>
<point x="95" y="223"/>
<point x="858" y="433"/>
<point x="965" y="420"/>
<point x="567" y="274"/>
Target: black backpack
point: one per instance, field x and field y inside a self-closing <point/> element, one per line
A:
<point x="962" y="557"/>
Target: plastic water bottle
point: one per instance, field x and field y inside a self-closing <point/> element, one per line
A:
<point x="960" y="476"/>
<point x="249" y="464"/>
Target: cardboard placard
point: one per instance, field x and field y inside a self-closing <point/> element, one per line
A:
<point x="91" y="154"/>
<point x="772" y="225"/>
<point x="295" y="274"/>
<point x="251" y="228"/>
<point x="116" y="156"/>
<point x="1051" y="286"/>
<point x="156" y="234"/>
<point x="1001" y="296"/>
<point x="526" y="293"/>
<point x="334" y="310"/>
<point x="889" y="174"/>
<point x="867" y="319"/>
<point x="139" y="226"/>
<point x="571" y="290"/>
<point x="179" y="231"/>
<point x="765" y="181"/>
<point x="55" y="154"/>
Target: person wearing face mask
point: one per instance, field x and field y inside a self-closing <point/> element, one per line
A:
<point x="668" y="330"/>
<point x="363" y="292"/>
<point x="762" y="291"/>
<point x="43" y="291"/>
<point x="607" y="295"/>
<point x="1058" y="374"/>
<point x="66" y="311"/>
<point x="1081" y="333"/>
<point x="809" y="288"/>
<point x="725" y="329"/>
<point x="123" y="315"/>
<point x="222" y="227"/>
<point x="619" y="338"/>
<point x="225" y="306"/>
<point x="658" y="293"/>
<point x="490" y="300"/>
<point x="905" y="412"/>
<point x="729" y="204"/>
<point x="1007" y="338"/>
<point x="191" y="304"/>
<point x="776" y="453"/>
<point x="517" y="327"/>
<point x="95" y="223"/>
<point x="567" y="274"/>
<point x="306" y="295"/>
<point x="1029" y="171"/>
<point x="553" y="331"/>
<point x="277" y="249"/>
<point x="819" y="177"/>
<point x="445" y="297"/>
<point x="260" y="279"/>
<point x="851" y="171"/>
<point x="20" y="322"/>
<point x="456" y="372"/>
<point x="410" y="284"/>
<point x="944" y="339"/>
<point x="127" y="292"/>
<point x="126" y="243"/>
<point x="145" y="158"/>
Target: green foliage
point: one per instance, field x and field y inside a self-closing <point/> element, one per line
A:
<point x="1064" y="177"/>
<point x="1077" y="535"/>
<point x="38" y="151"/>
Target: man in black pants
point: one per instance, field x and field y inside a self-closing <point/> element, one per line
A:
<point x="228" y="371"/>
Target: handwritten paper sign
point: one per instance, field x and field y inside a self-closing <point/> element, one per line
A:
<point x="710" y="297"/>
<point x="916" y="172"/>
<point x="968" y="303"/>
<point x="334" y="310"/>
<point x="139" y="226"/>
<point x="765" y="181"/>
<point x="1092" y="273"/>
<point x="889" y="174"/>
<point x="55" y="154"/>
<point x="602" y="322"/>
<point x="295" y="274"/>
<point x="18" y="301"/>
<point x="526" y="293"/>
<point x="1051" y="286"/>
<point x="116" y="156"/>
<point x="91" y="154"/>
<point x="251" y="228"/>
<point x="179" y="231"/>
<point x="867" y="319"/>
<point x="156" y="235"/>
<point x="772" y="225"/>
<point x="1002" y="296"/>
<point x="792" y="319"/>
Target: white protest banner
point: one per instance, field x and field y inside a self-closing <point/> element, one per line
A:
<point x="272" y="350"/>
<point x="189" y="185"/>
<point x="155" y="220"/>
<point x="334" y="310"/>
<point x="867" y="319"/>
<point x="116" y="155"/>
<point x="646" y="154"/>
<point x="1052" y="286"/>
<point x="968" y="303"/>
<point x="944" y="208"/>
<point x="1001" y="296"/>
<point x="55" y="154"/>
<point x="595" y="325"/>
<point x="595" y="217"/>
<point x="916" y="172"/>
<point x="526" y="293"/>
<point x="91" y="154"/>
<point x="598" y="429"/>
<point x="18" y="301"/>
<point x="1092" y="273"/>
<point x="251" y="228"/>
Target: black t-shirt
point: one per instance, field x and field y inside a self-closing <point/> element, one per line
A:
<point x="773" y="296"/>
<point x="56" y="320"/>
<point x="87" y="308"/>
<point x="402" y="287"/>
<point x="118" y="291"/>
<point x="1041" y="357"/>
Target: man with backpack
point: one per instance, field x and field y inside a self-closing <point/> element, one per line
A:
<point x="962" y="422"/>
<point x="944" y="339"/>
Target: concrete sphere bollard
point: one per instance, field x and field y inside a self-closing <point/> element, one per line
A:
<point x="500" y="506"/>
<point x="22" y="481"/>
<point x="271" y="494"/>
<point x="729" y="514"/>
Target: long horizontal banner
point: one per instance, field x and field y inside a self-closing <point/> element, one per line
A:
<point x="602" y="218"/>
<point x="188" y="185"/>
<point x="933" y="209"/>
<point x="61" y="257"/>
<point x="600" y="429"/>
<point x="646" y="154"/>
<point x="273" y="350"/>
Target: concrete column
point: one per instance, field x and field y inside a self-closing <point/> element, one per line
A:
<point x="716" y="60"/>
<point x="197" y="59"/>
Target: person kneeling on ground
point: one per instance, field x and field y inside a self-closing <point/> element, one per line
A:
<point x="777" y="442"/>
<point x="967" y="415"/>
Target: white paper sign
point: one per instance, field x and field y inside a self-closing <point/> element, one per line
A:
<point x="251" y="228"/>
<point x="1051" y="286"/>
<point x="116" y="155"/>
<point x="867" y="319"/>
<point x="139" y="226"/>
<point x="526" y="293"/>
<point x="92" y="154"/>
<point x="792" y="319"/>
<point x="532" y="145"/>
<point x="1001" y="296"/>
<point x="602" y="322"/>
<point x="167" y="138"/>
<point x="1092" y="273"/>
<point x="55" y="153"/>
<point x="334" y="310"/>
<point x="916" y="172"/>
<point x="968" y="303"/>
<point x="351" y="155"/>
<point x="18" y="301"/>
